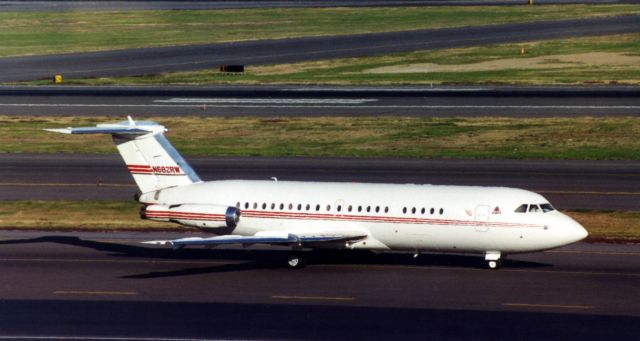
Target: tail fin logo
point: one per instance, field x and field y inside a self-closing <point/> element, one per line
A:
<point x="156" y="170"/>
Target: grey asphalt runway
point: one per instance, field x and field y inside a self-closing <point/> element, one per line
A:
<point x="107" y="285"/>
<point x="76" y="5"/>
<point x="600" y="185"/>
<point x="441" y="101"/>
<point x="282" y="51"/>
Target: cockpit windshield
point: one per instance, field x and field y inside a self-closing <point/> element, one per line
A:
<point x="533" y="208"/>
<point x="547" y="207"/>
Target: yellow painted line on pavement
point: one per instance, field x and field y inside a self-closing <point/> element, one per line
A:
<point x="587" y="192"/>
<point x="97" y="292"/>
<point x="314" y="298"/>
<point x="549" y="306"/>
<point x="111" y="261"/>
<point x="606" y="253"/>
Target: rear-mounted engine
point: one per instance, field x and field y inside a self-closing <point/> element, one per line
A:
<point x="200" y="216"/>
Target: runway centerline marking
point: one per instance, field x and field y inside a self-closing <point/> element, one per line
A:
<point x="95" y="292"/>
<point x="269" y="100"/>
<point x="547" y="306"/>
<point x="313" y="298"/>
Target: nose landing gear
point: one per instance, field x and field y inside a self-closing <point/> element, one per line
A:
<point x="493" y="259"/>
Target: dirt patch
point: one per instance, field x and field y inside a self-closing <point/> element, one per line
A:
<point x="544" y="62"/>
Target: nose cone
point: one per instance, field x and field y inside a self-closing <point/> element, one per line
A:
<point x="579" y="232"/>
<point x="572" y="231"/>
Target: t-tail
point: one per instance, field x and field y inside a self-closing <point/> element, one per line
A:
<point x="152" y="160"/>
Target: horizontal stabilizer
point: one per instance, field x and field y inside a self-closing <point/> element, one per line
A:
<point x="129" y="127"/>
<point x="99" y="130"/>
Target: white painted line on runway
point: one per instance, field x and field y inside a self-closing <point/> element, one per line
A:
<point x="564" y="107"/>
<point x="268" y="100"/>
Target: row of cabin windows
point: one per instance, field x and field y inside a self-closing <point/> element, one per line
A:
<point x="308" y="207"/>
<point x="318" y="207"/>
<point x="423" y="210"/>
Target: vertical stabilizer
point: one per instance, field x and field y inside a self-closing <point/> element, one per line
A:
<point x="151" y="159"/>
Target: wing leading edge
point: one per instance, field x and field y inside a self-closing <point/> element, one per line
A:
<point x="265" y="237"/>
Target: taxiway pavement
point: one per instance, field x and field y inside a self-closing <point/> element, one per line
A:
<point x="282" y="51"/>
<point x="440" y="101"/>
<point x="599" y="185"/>
<point x="101" y="285"/>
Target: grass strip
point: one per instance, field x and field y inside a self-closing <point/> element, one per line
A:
<point x="584" y="138"/>
<point x="611" y="59"/>
<point x="75" y="215"/>
<point x="123" y="215"/>
<point x="28" y="33"/>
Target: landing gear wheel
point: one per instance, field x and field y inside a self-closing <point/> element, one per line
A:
<point x="295" y="261"/>
<point x="493" y="264"/>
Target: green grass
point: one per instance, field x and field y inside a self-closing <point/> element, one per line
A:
<point x="26" y="33"/>
<point x="123" y="215"/>
<point x="603" y="138"/>
<point x="605" y="59"/>
<point x="75" y="215"/>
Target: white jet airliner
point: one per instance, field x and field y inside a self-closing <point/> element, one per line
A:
<point x="492" y="221"/>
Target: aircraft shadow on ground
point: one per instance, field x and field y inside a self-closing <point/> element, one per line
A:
<point x="257" y="259"/>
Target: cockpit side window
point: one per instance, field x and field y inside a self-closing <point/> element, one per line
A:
<point x="522" y="208"/>
<point x="534" y="208"/>
<point x="547" y="207"/>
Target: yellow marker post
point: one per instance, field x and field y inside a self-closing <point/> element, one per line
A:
<point x="57" y="79"/>
<point x="530" y="2"/>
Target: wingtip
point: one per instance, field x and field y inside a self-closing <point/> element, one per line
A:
<point x="59" y="130"/>
<point x="157" y="242"/>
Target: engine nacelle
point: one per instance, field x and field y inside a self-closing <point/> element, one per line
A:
<point x="200" y="216"/>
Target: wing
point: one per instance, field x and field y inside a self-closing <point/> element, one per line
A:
<point x="267" y="237"/>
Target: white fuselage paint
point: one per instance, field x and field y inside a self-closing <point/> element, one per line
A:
<point x="473" y="219"/>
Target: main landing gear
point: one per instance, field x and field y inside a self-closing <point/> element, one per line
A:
<point x="493" y="259"/>
<point x="296" y="261"/>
